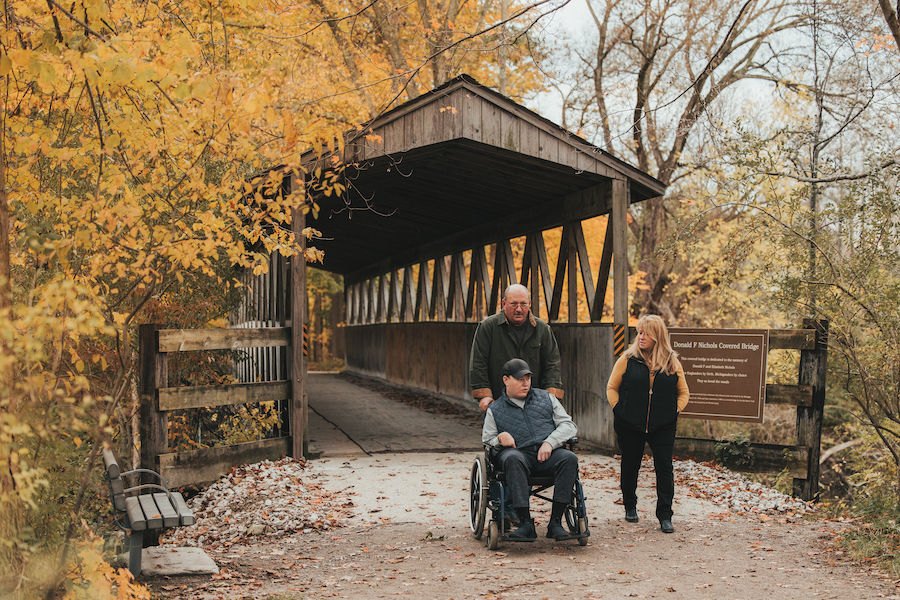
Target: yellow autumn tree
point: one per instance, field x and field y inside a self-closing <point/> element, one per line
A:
<point x="130" y="133"/>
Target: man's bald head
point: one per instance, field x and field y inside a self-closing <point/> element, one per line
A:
<point x="516" y="304"/>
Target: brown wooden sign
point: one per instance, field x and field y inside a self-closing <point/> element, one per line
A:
<point x="725" y="371"/>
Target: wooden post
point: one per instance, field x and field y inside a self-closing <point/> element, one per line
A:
<point x="154" y="425"/>
<point x="813" y="370"/>
<point x="299" y="421"/>
<point x="619" y="223"/>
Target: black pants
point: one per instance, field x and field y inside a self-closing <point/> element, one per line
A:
<point x="661" y="443"/>
<point x="519" y="463"/>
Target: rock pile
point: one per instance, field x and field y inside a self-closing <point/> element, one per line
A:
<point x="733" y="491"/>
<point x="263" y="499"/>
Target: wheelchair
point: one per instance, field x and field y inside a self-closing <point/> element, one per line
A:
<point x="488" y="490"/>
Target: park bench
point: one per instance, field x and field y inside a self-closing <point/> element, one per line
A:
<point x="137" y="512"/>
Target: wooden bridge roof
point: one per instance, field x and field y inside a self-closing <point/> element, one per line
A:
<point x="460" y="166"/>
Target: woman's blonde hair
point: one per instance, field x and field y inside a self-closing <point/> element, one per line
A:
<point x="661" y="357"/>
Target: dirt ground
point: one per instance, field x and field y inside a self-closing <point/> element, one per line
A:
<point x="410" y="536"/>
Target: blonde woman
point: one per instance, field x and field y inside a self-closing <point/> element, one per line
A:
<point x="647" y="391"/>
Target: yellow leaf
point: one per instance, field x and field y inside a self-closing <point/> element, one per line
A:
<point x="79" y="366"/>
<point x="5" y="65"/>
<point x="77" y="441"/>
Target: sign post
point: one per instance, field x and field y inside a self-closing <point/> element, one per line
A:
<point x="725" y="370"/>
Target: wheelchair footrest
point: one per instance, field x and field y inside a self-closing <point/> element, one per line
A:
<point x="573" y="536"/>
<point x="506" y="538"/>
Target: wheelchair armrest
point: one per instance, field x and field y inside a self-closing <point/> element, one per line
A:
<point x="571" y="443"/>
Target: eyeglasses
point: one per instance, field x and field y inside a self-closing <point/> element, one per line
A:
<point x="519" y="304"/>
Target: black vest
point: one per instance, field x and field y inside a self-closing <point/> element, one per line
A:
<point x="529" y="425"/>
<point x="636" y="409"/>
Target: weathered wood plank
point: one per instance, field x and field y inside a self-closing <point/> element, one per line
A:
<point x="186" y="340"/>
<point x="568" y="155"/>
<point x="411" y="129"/>
<point x="223" y="395"/>
<point x="491" y="132"/>
<point x="549" y="147"/>
<point x="792" y="339"/>
<point x="430" y="116"/>
<point x="797" y="395"/>
<point x="472" y="117"/>
<point x="767" y="458"/>
<point x="509" y="131"/>
<point x="529" y="140"/>
<point x="393" y="136"/>
<point x="208" y="464"/>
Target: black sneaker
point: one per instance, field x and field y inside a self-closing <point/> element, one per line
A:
<point x="631" y="515"/>
<point x="525" y="532"/>
<point x="556" y="531"/>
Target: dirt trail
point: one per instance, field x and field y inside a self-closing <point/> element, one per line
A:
<point x="410" y="537"/>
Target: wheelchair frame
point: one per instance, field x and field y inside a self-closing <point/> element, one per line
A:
<point x="488" y="490"/>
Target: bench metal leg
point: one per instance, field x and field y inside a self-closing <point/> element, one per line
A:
<point x="135" y="548"/>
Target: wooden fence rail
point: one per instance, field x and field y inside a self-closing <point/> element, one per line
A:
<point x="206" y="464"/>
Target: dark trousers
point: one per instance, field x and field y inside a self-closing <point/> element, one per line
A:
<point x="661" y="443"/>
<point x="519" y="463"/>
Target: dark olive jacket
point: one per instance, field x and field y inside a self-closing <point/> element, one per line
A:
<point x="495" y="344"/>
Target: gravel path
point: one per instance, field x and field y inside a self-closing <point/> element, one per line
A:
<point x="392" y="525"/>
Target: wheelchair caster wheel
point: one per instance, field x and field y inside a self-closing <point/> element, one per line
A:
<point x="582" y="528"/>
<point x="493" y="536"/>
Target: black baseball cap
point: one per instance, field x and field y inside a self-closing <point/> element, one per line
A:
<point x="517" y="368"/>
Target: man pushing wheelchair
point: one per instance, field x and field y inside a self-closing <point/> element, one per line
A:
<point x="528" y="428"/>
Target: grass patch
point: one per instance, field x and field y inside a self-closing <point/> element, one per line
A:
<point x="875" y="537"/>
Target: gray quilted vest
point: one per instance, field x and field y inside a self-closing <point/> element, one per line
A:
<point x="530" y="425"/>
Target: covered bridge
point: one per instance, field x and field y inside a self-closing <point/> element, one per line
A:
<point x="439" y="191"/>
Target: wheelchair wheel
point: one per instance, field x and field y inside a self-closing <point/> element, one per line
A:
<point x="493" y="536"/>
<point x="478" y="497"/>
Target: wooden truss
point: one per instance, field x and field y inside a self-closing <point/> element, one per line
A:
<point x="447" y="289"/>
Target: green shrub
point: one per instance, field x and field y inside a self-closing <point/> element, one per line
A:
<point x="734" y="451"/>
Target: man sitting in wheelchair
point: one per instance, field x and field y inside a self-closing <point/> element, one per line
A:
<point x="529" y="427"/>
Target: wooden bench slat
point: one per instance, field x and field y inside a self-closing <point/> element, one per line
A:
<point x="185" y="513"/>
<point x="169" y="515"/>
<point x="151" y="511"/>
<point x="117" y="486"/>
<point x="112" y="465"/>
<point x="136" y="519"/>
